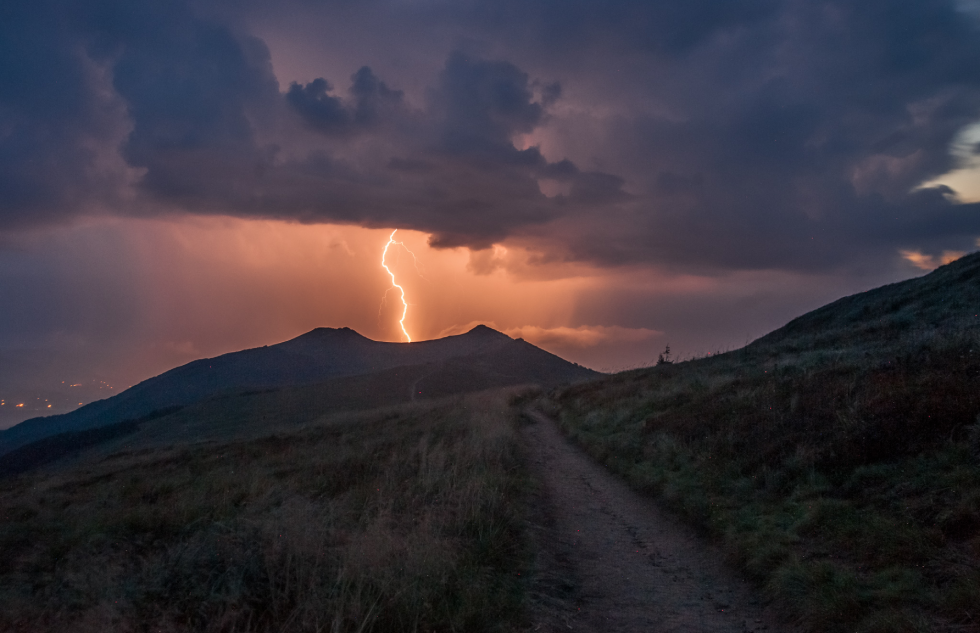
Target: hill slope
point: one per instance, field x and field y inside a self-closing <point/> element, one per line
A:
<point x="837" y="459"/>
<point x="478" y="359"/>
<point x="944" y="300"/>
<point x="396" y="520"/>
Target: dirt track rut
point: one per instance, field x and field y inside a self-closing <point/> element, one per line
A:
<point x="611" y="561"/>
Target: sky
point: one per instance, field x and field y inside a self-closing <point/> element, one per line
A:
<point x="604" y="179"/>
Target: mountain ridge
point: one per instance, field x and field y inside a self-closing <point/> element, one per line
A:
<point x="318" y="355"/>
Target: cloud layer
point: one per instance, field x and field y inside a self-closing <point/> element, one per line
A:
<point x="758" y="134"/>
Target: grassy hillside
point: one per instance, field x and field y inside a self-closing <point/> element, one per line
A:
<point x="837" y="459"/>
<point x="403" y="519"/>
<point x="892" y="317"/>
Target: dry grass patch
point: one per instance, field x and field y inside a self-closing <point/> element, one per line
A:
<point x="407" y="520"/>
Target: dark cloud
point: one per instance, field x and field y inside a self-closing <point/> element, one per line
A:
<point x="802" y="152"/>
<point x="372" y="103"/>
<point x="54" y="120"/>
<point x="454" y="169"/>
<point x="375" y="102"/>
<point x="484" y="103"/>
<point x="196" y="93"/>
<point x="578" y="26"/>
<point x="749" y="134"/>
<point x="322" y="112"/>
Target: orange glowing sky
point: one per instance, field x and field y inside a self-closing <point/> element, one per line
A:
<point x="122" y="300"/>
<point x="191" y="179"/>
<point x="242" y="282"/>
<point x="172" y="290"/>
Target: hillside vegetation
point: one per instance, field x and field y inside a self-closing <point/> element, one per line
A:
<point x="399" y="519"/>
<point x="837" y="459"/>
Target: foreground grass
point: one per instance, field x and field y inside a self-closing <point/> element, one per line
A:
<point x="848" y="486"/>
<point x="406" y="520"/>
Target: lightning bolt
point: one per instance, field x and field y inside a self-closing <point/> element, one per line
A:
<point x="394" y="284"/>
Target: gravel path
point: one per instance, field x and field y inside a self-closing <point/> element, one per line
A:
<point x="611" y="561"/>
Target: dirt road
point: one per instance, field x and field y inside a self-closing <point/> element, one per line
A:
<point x="611" y="561"/>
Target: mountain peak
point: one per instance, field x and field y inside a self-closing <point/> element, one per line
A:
<point x="485" y="331"/>
<point x="333" y="332"/>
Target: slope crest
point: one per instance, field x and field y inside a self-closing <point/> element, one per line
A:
<point x="946" y="299"/>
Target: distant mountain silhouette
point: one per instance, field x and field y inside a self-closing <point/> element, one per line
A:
<point x="479" y="359"/>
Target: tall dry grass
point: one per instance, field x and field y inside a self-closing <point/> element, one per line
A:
<point x="403" y="520"/>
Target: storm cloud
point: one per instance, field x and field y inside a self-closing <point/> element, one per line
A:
<point x="759" y="134"/>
